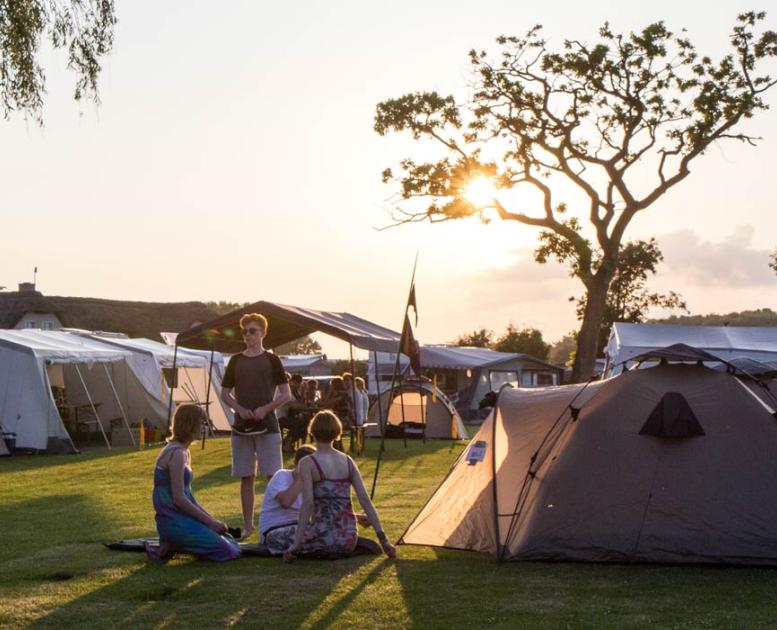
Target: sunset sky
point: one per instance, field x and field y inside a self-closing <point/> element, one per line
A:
<point x="233" y="158"/>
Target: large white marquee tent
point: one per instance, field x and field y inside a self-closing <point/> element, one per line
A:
<point x="98" y="379"/>
<point x="191" y="382"/>
<point x="727" y="342"/>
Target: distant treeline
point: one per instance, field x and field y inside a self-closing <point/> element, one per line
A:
<point x="758" y="317"/>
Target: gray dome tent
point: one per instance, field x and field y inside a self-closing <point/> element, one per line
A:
<point x="618" y="470"/>
<point x="425" y="410"/>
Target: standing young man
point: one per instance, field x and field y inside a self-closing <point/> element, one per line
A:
<point x="254" y="385"/>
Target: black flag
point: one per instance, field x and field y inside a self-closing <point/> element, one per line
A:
<point x="409" y="346"/>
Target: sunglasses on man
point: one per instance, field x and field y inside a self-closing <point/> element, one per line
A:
<point x="250" y="331"/>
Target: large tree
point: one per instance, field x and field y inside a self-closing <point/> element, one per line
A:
<point x="628" y="298"/>
<point x="621" y="119"/>
<point x="84" y="28"/>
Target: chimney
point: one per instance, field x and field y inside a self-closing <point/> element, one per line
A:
<point x="26" y="287"/>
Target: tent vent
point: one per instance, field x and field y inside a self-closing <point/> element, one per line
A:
<point x="672" y="418"/>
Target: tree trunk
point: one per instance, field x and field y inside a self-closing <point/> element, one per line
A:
<point x="588" y="337"/>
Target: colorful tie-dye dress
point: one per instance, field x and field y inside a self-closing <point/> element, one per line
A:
<point x="184" y="533"/>
<point x="333" y="527"/>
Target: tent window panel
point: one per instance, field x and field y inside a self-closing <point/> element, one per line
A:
<point x="501" y="378"/>
<point x="528" y="378"/>
<point x="545" y="378"/>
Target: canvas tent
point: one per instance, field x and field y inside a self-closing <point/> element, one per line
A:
<point x="675" y="463"/>
<point x="628" y="340"/>
<point x="467" y="374"/>
<point x="416" y="409"/>
<point x="190" y="382"/>
<point x="95" y="377"/>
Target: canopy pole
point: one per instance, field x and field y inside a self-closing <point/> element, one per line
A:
<point x="121" y="407"/>
<point x="207" y="426"/>
<point x="377" y="388"/>
<point x="94" y="409"/>
<point x="353" y="398"/>
<point x="402" y="407"/>
<point x="171" y="388"/>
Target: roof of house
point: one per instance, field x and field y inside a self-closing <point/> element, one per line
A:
<point x="136" y="319"/>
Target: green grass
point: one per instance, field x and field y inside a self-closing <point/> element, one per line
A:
<point x="56" y="510"/>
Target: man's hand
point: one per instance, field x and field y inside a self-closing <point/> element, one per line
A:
<point x="245" y="414"/>
<point x="259" y="413"/>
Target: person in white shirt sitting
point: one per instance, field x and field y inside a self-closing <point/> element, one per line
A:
<point x="280" y="506"/>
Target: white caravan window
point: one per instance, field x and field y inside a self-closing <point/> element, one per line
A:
<point x="499" y="379"/>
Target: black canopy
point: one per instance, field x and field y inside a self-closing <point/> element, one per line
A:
<point x="287" y="323"/>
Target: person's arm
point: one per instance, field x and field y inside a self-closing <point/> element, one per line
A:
<point x="305" y="512"/>
<point x="282" y="396"/>
<point x="229" y="399"/>
<point x="287" y="497"/>
<point x="177" y="467"/>
<point x="370" y="511"/>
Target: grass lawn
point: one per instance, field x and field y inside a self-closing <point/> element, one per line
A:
<point x="56" y="510"/>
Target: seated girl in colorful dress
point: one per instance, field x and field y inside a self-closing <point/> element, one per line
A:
<point x="183" y="524"/>
<point x="327" y="523"/>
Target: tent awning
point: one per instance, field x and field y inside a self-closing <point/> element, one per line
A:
<point x="287" y="323"/>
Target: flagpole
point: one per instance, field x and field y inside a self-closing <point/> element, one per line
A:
<point x="410" y="295"/>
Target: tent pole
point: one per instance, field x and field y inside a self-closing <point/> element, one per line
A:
<point x="94" y="409"/>
<point x="207" y="426"/>
<point x="121" y="407"/>
<point x="423" y="408"/>
<point x="170" y="400"/>
<point x="377" y="388"/>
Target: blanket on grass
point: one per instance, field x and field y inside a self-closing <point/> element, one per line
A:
<point x="364" y="546"/>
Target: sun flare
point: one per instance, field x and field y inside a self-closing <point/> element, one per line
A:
<point x="481" y="191"/>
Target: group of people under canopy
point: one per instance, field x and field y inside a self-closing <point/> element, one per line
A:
<point x="306" y="510"/>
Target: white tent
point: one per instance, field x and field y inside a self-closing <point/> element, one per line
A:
<point x="191" y="380"/>
<point x="727" y="342"/>
<point x="93" y="378"/>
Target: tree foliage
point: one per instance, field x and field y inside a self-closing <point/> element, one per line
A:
<point x="622" y="119"/>
<point x="84" y="28"/>
<point x="562" y="352"/>
<point x="773" y="261"/>
<point x="527" y="340"/>
<point x="482" y="338"/>
<point x="760" y="317"/>
<point x="304" y="345"/>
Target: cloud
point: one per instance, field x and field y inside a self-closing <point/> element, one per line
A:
<point x="732" y="262"/>
<point x="524" y="280"/>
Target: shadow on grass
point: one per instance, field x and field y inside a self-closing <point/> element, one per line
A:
<point x="62" y="520"/>
<point x="23" y="462"/>
<point x="250" y="591"/>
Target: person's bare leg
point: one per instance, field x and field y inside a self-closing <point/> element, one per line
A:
<point x="247" y="501"/>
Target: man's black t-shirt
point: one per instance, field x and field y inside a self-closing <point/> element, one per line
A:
<point x="254" y="380"/>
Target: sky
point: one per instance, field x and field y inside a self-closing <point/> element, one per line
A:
<point x="232" y="157"/>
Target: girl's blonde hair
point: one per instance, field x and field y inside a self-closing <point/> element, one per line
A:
<point x="325" y="426"/>
<point x="187" y="423"/>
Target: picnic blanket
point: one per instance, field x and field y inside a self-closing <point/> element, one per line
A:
<point x="364" y="546"/>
